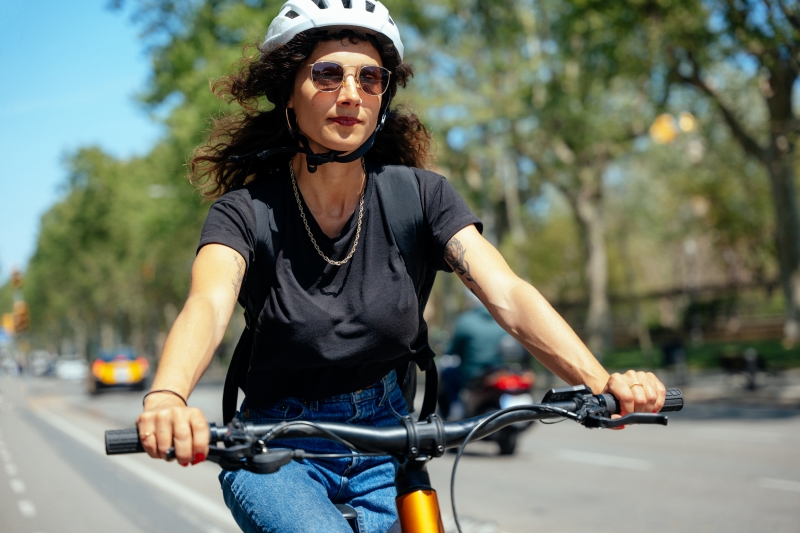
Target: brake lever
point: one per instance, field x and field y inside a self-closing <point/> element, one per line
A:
<point x="594" y="421"/>
<point x="253" y="456"/>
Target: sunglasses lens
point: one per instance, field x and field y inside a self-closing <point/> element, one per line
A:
<point x="326" y="76"/>
<point x="374" y="80"/>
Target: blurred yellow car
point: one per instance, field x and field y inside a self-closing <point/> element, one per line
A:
<point x="120" y="368"/>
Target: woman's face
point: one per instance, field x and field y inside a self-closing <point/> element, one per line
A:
<point x="342" y="119"/>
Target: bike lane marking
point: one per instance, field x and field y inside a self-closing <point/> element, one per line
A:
<point x="602" y="459"/>
<point x="180" y="492"/>
<point x="18" y="486"/>
<point x="26" y="507"/>
<point x="54" y="498"/>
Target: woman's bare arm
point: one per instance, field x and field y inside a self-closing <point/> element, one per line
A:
<point x="217" y="276"/>
<point x="522" y="311"/>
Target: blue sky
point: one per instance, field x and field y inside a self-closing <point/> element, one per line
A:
<point x="69" y="73"/>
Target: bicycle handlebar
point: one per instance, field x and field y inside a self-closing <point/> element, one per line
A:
<point x="244" y="440"/>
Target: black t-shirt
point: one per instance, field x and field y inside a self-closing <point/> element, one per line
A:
<point x="328" y="330"/>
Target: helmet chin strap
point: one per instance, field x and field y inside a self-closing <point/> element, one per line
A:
<point x="313" y="159"/>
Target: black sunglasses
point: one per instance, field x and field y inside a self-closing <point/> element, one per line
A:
<point x="327" y="76"/>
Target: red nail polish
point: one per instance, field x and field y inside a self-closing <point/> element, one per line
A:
<point x="198" y="458"/>
<point x="184" y="464"/>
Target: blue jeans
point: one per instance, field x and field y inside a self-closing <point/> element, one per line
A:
<point x="300" y="497"/>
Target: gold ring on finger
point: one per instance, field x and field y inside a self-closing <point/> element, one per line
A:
<point x="145" y="435"/>
<point x="637" y="383"/>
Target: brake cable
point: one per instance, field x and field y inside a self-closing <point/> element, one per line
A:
<point x="533" y="407"/>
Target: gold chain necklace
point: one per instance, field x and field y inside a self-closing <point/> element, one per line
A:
<point x="308" y="230"/>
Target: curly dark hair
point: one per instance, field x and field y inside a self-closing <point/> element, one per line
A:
<point x="402" y="141"/>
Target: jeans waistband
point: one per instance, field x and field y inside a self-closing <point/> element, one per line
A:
<point x="379" y="389"/>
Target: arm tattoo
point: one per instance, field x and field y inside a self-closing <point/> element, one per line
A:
<point x="454" y="255"/>
<point x="237" y="280"/>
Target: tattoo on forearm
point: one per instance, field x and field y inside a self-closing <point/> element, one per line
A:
<point x="454" y="255"/>
<point x="237" y="280"/>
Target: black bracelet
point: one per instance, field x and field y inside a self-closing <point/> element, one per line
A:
<point x="165" y="390"/>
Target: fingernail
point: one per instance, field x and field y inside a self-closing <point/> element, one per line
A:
<point x="184" y="464"/>
<point x="198" y="458"/>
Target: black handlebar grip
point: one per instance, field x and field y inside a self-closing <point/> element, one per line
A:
<point x="120" y="441"/>
<point x="609" y="402"/>
<point x="674" y="401"/>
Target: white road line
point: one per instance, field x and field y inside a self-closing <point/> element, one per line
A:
<point x="27" y="508"/>
<point x="779" y="484"/>
<point x="197" y="501"/>
<point x="17" y="485"/>
<point x="601" y="459"/>
<point x="11" y="469"/>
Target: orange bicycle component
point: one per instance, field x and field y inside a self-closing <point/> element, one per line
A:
<point x="419" y="512"/>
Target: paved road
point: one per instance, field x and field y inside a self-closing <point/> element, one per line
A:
<point x="712" y="469"/>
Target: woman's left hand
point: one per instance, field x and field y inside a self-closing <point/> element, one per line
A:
<point x="637" y="392"/>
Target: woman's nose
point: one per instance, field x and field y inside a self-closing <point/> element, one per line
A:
<point x="349" y="91"/>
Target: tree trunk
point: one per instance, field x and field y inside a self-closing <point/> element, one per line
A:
<point x="787" y="234"/>
<point x="506" y="168"/>
<point x="780" y="165"/>
<point x="588" y="207"/>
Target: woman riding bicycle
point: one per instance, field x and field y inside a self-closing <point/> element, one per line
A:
<point x="341" y="309"/>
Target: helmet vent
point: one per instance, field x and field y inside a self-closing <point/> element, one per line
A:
<point x="321" y="4"/>
<point x="370" y="7"/>
<point x="291" y="15"/>
<point x="392" y="22"/>
<point x="347" y="4"/>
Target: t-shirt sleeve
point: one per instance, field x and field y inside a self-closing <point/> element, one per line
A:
<point x="231" y="221"/>
<point x="446" y="213"/>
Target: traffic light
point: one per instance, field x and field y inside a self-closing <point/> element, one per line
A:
<point x="22" y="317"/>
<point x="16" y="279"/>
<point x="8" y="323"/>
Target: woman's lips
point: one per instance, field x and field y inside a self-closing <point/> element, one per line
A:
<point x="346" y="121"/>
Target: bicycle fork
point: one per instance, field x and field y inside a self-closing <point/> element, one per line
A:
<point x="417" y="503"/>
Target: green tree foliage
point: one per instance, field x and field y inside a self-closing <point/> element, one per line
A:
<point x="688" y="43"/>
<point x="6" y="298"/>
<point x="521" y="106"/>
<point x="106" y="253"/>
<point x="539" y="111"/>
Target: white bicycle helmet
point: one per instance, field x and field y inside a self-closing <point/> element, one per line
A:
<point x="297" y="16"/>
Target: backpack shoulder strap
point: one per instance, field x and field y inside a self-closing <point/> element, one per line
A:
<point x="401" y="200"/>
<point x="399" y="194"/>
<point x="268" y="208"/>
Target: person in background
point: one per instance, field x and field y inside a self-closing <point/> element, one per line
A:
<point x="476" y="342"/>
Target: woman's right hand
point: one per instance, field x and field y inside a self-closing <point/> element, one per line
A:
<point x="167" y="423"/>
